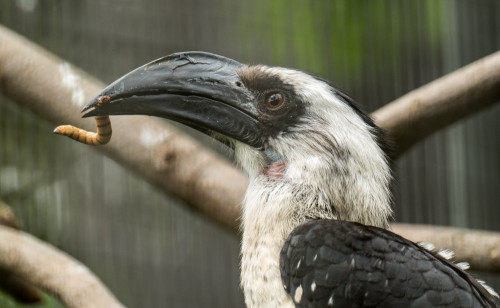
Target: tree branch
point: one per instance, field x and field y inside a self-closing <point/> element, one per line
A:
<point x="179" y="165"/>
<point x="18" y="288"/>
<point x="27" y="263"/>
<point x="52" y="270"/>
<point x="480" y="248"/>
<point x="160" y="153"/>
<point x="423" y="111"/>
<point x="21" y="290"/>
<point x="7" y="217"/>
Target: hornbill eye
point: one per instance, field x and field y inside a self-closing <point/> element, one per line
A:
<point x="274" y="100"/>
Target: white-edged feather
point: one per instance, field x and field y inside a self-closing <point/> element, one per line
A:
<point x="487" y="288"/>
<point x="447" y="254"/>
<point x="463" y="265"/>
<point x="427" y="246"/>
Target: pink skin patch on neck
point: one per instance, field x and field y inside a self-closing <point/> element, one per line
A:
<point x="275" y="171"/>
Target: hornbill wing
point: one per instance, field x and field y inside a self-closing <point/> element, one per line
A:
<point x="332" y="263"/>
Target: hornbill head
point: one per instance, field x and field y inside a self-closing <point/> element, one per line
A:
<point x="286" y="127"/>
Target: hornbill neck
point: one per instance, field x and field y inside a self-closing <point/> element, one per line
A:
<point x="329" y="166"/>
<point x="302" y="185"/>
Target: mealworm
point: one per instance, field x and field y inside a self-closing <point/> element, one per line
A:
<point x="102" y="136"/>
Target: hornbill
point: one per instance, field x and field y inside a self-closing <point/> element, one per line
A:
<point x="317" y="206"/>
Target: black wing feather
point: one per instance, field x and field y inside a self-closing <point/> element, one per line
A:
<point x="346" y="264"/>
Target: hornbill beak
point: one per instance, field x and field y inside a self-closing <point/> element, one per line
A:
<point x="198" y="89"/>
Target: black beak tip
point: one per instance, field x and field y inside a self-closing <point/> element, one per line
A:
<point x="94" y="105"/>
<point x="88" y="114"/>
<point x="89" y="105"/>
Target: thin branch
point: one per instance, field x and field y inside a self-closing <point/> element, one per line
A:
<point x="52" y="270"/>
<point x="440" y="103"/>
<point x="169" y="159"/>
<point x="480" y="248"/>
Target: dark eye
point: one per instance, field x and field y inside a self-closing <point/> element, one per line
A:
<point x="274" y="100"/>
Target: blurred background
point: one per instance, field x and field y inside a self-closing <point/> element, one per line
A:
<point x="149" y="249"/>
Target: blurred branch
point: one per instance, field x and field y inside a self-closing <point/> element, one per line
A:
<point x="47" y="268"/>
<point x="423" y="111"/>
<point x="21" y="290"/>
<point x="480" y="248"/>
<point x="161" y="154"/>
<point x="18" y="288"/>
<point x="179" y="165"/>
<point x="27" y="263"/>
<point x="7" y="217"/>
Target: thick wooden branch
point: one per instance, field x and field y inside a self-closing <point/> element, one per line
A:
<point x="178" y="164"/>
<point x="423" y="111"/>
<point x="161" y="154"/>
<point x="54" y="271"/>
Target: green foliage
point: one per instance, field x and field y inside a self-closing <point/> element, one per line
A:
<point x="344" y="35"/>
